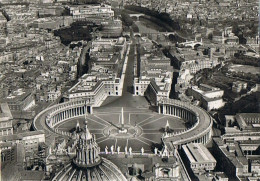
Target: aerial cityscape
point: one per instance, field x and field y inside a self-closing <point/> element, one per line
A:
<point x="129" y="90"/>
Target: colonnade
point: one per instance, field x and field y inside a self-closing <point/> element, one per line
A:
<point x="183" y="113"/>
<point x="199" y="139"/>
<point x="204" y="139"/>
<point x="200" y="132"/>
<point x="67" y="114"/>
<point x="66" y="111"/>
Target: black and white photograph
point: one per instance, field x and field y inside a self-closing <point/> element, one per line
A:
<point x="129" y="90"/>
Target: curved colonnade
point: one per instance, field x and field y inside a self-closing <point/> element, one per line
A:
<point x="58" y="113"/>
<point x="201" y="130"/>
<point x="201" y="121"/>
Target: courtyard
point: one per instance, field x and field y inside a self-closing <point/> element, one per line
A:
<point x="143" y="126"/>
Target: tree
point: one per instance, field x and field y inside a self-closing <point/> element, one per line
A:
<point x="127" y="20"/>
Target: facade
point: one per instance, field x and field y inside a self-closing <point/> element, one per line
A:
<point x="200" y="159"/>
<point x="6" y="118"/>
<point x="96" y="93"/>
<point x="149" y="88"/>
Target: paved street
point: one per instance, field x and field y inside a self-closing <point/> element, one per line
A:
<point x="127" y="99"/>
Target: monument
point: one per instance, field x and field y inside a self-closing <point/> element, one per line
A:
<point x="122" y="129"/>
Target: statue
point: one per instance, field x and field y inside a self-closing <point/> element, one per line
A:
<point x="142" y="150"/>
<point x="130" y="151"/>
<point x="155" y="150"/>
<point x="112" y="149"/>
<point x="125" y="149"/>
<point x="106" y="150"/>
<point x="118" y="149"/>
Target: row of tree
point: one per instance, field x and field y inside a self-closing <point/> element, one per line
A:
<point x="243" y="60"/>
<point x="77" y="31"/>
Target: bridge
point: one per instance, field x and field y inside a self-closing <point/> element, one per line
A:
<point x="167" y="34"/>
<point x="192" y="44"/>
<point x="136" y="15"/>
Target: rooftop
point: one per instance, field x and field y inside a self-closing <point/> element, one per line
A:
<point x="198" y="153"/>
<point x="20" y="136"/>
<point x="18" y="95"/>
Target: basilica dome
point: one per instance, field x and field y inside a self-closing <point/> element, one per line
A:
<point x="105" y="170"/>
<point x="88" y="165"/>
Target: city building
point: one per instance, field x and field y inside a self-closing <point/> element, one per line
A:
<point x="238" y="86"/>
<point x="20" y="100"/>
<point x="6" y="118"/>
<point x="209" y="97"/>
<point x="12" y="158"/>
<point x="248" y="121"/>
<point x="153" y="75"/>
<point x="39" y="68"/>
<point x="200" y="159"/>
<point x="106" y="72"/>
<point x="239" y="155"/>
<point x="92" y="13"/>
<point x="30" y="139"/>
